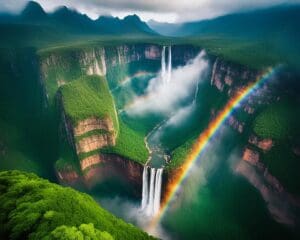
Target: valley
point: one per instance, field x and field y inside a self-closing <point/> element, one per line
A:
<point x="178" y="137"/>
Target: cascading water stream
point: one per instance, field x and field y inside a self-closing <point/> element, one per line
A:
<point x="157" y="194"/>
<point x="166" y="70"/>
<point x="169" y="65"/>
<point x="163" y="64"/>
<point x="151" y="190"/>
<point x="145" y="188"/>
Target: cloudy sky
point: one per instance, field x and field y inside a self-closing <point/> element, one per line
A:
<point x="159" y="10"/>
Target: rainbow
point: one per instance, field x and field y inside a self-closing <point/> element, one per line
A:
<point x="203" y="140"/>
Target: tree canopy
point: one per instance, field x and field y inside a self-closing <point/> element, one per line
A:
<point x="34" y="208"/>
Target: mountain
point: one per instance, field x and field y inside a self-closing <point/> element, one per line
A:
<point x="130" y="24"/>
<point x="71" y="21"/>
<point x="281" y="19"/>
<point x="33" y="11"/>
<point x="164" y="28"/>
<point x="265" y="36"/>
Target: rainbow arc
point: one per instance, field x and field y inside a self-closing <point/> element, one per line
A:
<point x="204" y="139"/>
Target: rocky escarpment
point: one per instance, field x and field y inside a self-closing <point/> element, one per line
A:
<point x="87" y="138"/>
<point x="228" y="76"/>
<point x="88" y="141"/>
<point x="101" y="166"/>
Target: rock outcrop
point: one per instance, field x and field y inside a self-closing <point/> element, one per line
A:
<point x="93" y="123"/>
<point x="235" y="124"/>
<point x="95" y="142"/>
<point x="251" y="156"/>
<point x="69" y="177"/>
<point x="229" y="77"/>
<point x="264" y="144"/>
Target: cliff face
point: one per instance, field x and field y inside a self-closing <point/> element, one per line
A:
<point x="100" y="167"/>
<point x="103" y="167"/>
<point x="58" y="68"/>
<point x="92" y="141"/>
<point x="228" y="76"/>
<point x="93" y="123"/>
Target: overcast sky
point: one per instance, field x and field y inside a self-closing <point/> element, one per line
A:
<point x="159" y="10"/>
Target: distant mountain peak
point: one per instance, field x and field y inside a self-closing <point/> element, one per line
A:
<point x="63" y="10"/>
<point x="133" y="17"/>
<point x="33" y="10"/>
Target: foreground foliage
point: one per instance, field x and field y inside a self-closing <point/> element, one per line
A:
<point x="33" y="208"/>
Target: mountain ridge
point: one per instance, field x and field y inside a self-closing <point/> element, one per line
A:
<point x="72" y="21"/>
<point x="276" y="17"/>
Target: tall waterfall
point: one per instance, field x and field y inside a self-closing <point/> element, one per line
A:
<point x="151" y="192"/>
<point x="145" y="188"/>
<point x="166" y="70"/>
<point x="169" y="65"/>
<point x="163" y="64"/>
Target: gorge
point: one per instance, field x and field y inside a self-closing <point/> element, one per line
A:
<point x="188" y="137"/>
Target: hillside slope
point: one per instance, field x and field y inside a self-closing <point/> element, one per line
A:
<point x="33" y="208"/>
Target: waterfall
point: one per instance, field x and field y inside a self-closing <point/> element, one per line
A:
<point x="169" y="65"/>
<point x="163" y="64"/>
<point x="166" y="72"/>
<point x="145" y="187"/>
<point x="213" y="72"/>
<point x="157" y="193"/>
<point x="151" y="193"/>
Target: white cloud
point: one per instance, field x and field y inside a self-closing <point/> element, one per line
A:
<point x="160" y="10"/>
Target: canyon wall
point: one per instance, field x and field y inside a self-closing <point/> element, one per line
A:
<point x="59" y="67"/>
<point x="89" y="136"/>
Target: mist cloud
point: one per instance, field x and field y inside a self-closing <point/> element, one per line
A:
<point x="131" y="212"/>
<point x="165" y="98"/>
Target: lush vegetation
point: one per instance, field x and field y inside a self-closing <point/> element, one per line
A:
<point x="88" y="97"/>
<point x="33" y="208"/>
<point x="284" y="164"/>
<point x="257" y="38"/>
<point x="28" y="135"/>
<point x="279" y="121"/>
<point x="256" y="54"/>
<point x="130" y="144"/>
<point x="276" y="121"/>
